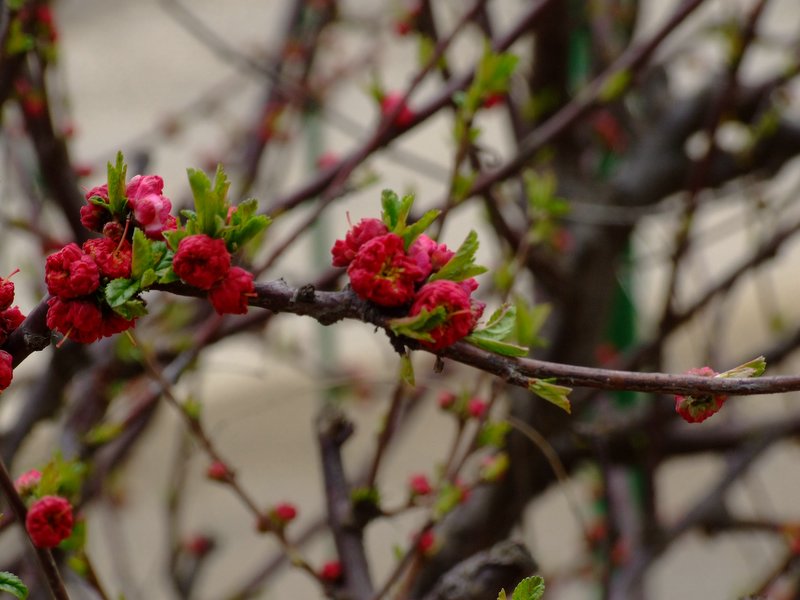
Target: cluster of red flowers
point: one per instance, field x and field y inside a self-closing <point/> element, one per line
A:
<point x="49" y="520"/>
<point x="204" y="262"/>
<point x="382" y="271"/>
<point x="696" y="409"/>
<point x="10" y="319"/>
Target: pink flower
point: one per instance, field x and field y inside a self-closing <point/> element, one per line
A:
<point x="344" y="251"/>
<point x="201" y="261"/>
<point x="93" y="216"/>
<point x="390" y="103"/>
<point x="150" y="207"/>
<point x="461" y="314"/>
<point x="78" y="320"/>
<point x="230" y="294"/>
<point x="429" y="255"/>
<point x="25" y="483"/>
<point x="6" y="369"/>
<point x="419" y="485"/>
<point x="331" y="571"/>
<point x="696" y="409"/>
<point x="426" y="542"/>
<point x="70" y="273"/>
<point x="382" y="273"/>
<point x="49" y="521"/>
<point x="112" y="258"/>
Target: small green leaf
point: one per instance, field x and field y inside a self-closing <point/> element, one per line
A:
<point x="149" y="277"/>
<point x="448" y="498"/>
<point x="493" y="433"/>
<point x="500" y="324"/>
<point x="174" y="237"/>
<point x="142" y="258"/>
<point x="103" y="433"/>
<point x="117" y="175"/>
<point x="501" y="595"/>
<point x="492" y="345"/>
<point x="529" y="322"/>
<point x="118" y="291"/>
<point x="390" y="203"/>
<point x="462" y="266"/>
<point x="131" y="309"/>
<point x="61" y="478"/>
<point x="412" y="232"/>
<point x="407" y="369"/>
<point x="753" y="368"/>
<point x="530" y="588"/>
<point x="13" y="585"/>
<point x="615" y="86"/>
<point x="553" y="393"/>
<point x="418" y="326"/>
<point x="209" y="201"/>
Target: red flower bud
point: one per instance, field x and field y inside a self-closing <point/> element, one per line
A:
<point x="419" y="485"/>
<point x="696" y="409"/>
<point x="447" y="400"/>
<point x="461" y="314"/>
<point x="6" y="370"/>
<point x="219" y="471"/>
<point x="284" y="512"/>
<point x="25" y="483"/>
<point x="112" y="258"/>
<point x="390" y="103"/>
<point x="476" y="408"/>
<point x="6" y="291"/>
<point x="331" y="571"/>
<point x="79" y="320"/>
<point x="344" y="251"/>
<point x="201" y="261"/>
<point x="49" y="521"/>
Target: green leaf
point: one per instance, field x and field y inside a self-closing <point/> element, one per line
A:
<point x="530" y="588"/>
<point x="418" y="326"/>
<point x="117" y="175"/>
<point x="174" y="237"/>
<point x="61" y="478"/>
<point x="209" y="201"/>
<point x="131" y="309"/>
<point x="495" y="346"/>
<point x="529" y="322"/>
<point x="407" y="369"/>
<point x="501" y="595"/>
<point x="412" y="232"/>
<point x="753" y="368"/>
<point x="13" y="585"/>
<point x="447" y="499"/>
<point x="149" y="277"/>
<point x="119" y="291"/>
<point x="462" y="266"/>
<point x="500" y="324"/>
<point x="493" y="433"/>
<point x="615" y="86"/>
<point x="142" y="258"/>
<point x="103" y="433"/>
<point x="553" y="393"/>
<point x="390" y="203"/>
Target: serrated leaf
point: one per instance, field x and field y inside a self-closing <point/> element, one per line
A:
<point x="148" y="278"/>
<point x="417" y="326"/>
<point x="174" y="237"/>
<point x="752" y="368"/>
<point x="553" y="393"/>
<point x="13" y="585"/>
<point x="530" y="588"/>
<point x="131" y="309"/>
<point x="209" y="202"/>
<point x="501" y="595"/>
<point x="244" y="210"/>
<point x="407" y="369"/>
<point x="142" y="258"/>
<point x="248" y="230"/>
<point x="119" y="291"/>
<point x="495" y="346"/>
<point x="412" y="232"/>
<point x="529" y="322"/>
<point x="462" y="266"/>
<point x="500" y="324"/>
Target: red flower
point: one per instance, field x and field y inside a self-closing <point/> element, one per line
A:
<point x="390" y="103"/>
<point x="447" y="400"/>
<point x="70" y="273"/>
<point x="93" y="216"/>
<point x="113" y="231"/>
<point x="419" y="485"/>
<point x="198" y="545"/>
<point x="284" y="512"/>
<point x="25" y="483"/>
<point x="696" y="409"/>
<point x="6" y="369"/>
<point x="230" y="294"/>
<point x="114" y="323"/>
<point x="331" y="571"/>
<point x="201" y="261"/>
<point x="6" y="292"/>
<point x="461" y="314"/>
<point x="426" y="541"/>
<point x="344" y="251"/>
<point x="112" y="258"/>
<point x="79" y="320"/>
<point x="49" y="521"/>
<point x="150" y="207"/>
<point x="381" y="272"/>
<point x="10" y="319"/>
